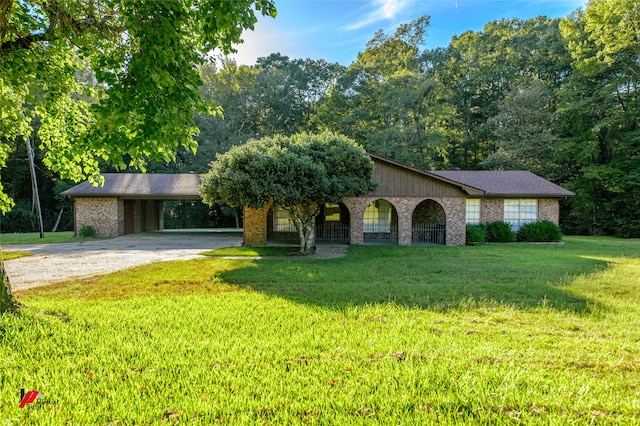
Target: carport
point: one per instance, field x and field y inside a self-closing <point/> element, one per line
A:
<point x="129" y="202"/>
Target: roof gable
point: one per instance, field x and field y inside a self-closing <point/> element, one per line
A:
<point x="397" y="179"/>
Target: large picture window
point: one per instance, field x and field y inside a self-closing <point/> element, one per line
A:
<point x="520" y="212"/>
<point x="281" y="221"/>
<point x="473" y="211"/>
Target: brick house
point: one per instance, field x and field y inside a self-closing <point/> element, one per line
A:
<point x="410" y="206"/>
<point x="414" y="206"/>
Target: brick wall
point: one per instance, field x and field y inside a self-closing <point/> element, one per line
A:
<point x="106" y="215"/>
<point x="255" y="226"/>
<point x="491" y="210"/>
<point x="549" y="209"/>
<point x="454" y="209"/>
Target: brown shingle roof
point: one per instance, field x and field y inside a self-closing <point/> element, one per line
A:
<point x="140" y="185"/>
<point x="514" y="183"/>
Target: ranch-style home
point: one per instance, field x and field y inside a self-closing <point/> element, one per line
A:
<point x="409" y="207"/>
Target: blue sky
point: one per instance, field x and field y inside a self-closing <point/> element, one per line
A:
<point x="336" y="30"/>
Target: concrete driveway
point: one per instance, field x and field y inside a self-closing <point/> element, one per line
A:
<point x="57" y="262"/>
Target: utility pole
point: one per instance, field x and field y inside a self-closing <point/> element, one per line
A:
<point x="34" y="185"/>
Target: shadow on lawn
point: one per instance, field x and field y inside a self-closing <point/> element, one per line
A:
<point x="433" y="278"/>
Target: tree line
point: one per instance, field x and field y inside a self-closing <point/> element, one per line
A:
<point x="558" y="97"/>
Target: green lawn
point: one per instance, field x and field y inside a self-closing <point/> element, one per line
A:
<point x="243" y="251"/>
<point x="34" y="238"/>
<point x="494" y="334"/>
<point x="14" y="254"/>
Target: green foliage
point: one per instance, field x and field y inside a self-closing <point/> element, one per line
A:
<point x="541" y="231"/>
<point x="524" y="131"/>
<point x="599" y="115"/>
<point x="554" y="96"/>
<point x="388" y="95"/>
<point x="87" y="231"/>
<point x="19" y="219"/>
<point x="298" y="341"/>
<point x="500" y="232"/>
<point x="299" y="173"/>
<point x="476" y="234"/>
<point x="138" y="103"/>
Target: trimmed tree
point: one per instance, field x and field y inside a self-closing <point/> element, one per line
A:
<point x="298" y="174"/>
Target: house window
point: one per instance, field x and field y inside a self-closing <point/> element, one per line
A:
<point x="281" y="221"/>
<point x="520" y="212"/>
<point x="331" y="212"/>
<point x="377" y="217"/>
<point x="473" y="211"/>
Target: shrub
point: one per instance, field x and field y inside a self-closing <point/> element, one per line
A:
<point x="543" y="231"/>
<point x="500" y="232"/>
<point x="476" y="234"/>
<point x="87" y="231"/>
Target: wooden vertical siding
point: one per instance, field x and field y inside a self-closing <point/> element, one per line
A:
<point x="397" y="182"/>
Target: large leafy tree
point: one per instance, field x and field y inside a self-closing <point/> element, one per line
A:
<point x="525" y="138"/>
<point x="144" y="57"/>
<point x="600" y="115"/>
<point x="299" y="173"/>
<point x="388" y="101"/>
<point x="484" y="67"/>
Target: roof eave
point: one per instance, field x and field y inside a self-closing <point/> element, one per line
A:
<point x="528" y="195"/>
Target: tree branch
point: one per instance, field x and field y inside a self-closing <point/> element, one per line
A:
<point x="61" y="25"/>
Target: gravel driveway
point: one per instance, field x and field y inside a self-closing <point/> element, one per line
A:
<point x="57" y="262"/>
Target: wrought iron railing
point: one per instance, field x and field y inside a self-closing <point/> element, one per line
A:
<point x="333" y="232"/>
<point x="380" y="234"/>
<point x="425" y="233"/>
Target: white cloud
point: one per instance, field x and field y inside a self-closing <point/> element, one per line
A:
<point x="384" y="10"/>
<point x="264" y="40"/>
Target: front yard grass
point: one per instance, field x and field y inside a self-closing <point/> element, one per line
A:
<point x="498" y="334"/>
<point x="243" y="251"/>
<point x="34" y="238"/>
<point x="8" y="255"/>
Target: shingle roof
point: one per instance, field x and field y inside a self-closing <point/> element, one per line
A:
<point x="140" y="185"/>
<point x="515" y="183"/>
<point x="185" y="186"/>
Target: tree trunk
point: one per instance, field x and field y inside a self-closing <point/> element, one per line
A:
<point x="6" y="298"/>
<point x="307" y="233"/>
<point x="304" y="219"/>
<point x="55" y="227"/>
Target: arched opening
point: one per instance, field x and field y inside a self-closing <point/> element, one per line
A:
<point x="429" y="223"/>
<point x="380" y="223"/>
<point x="332" y="224"/>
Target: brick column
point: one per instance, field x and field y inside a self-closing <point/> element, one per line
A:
<point x="255" y="226"/>
<point x="455" y="210"/>
<point x="356" y="206"/>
